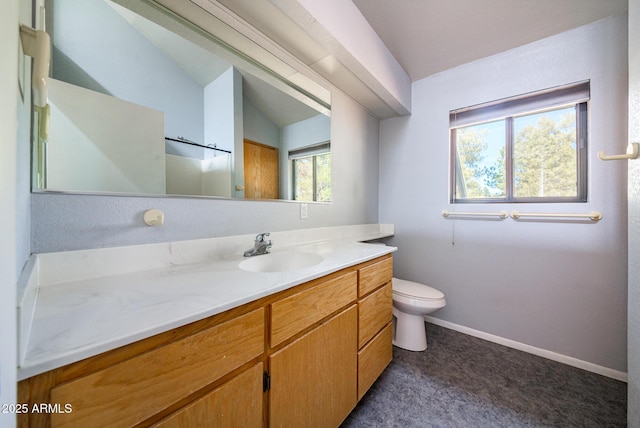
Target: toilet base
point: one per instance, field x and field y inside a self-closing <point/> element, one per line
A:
<point x="410" y="332"/>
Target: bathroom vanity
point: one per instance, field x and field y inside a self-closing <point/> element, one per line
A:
<point x="300" y="356"/>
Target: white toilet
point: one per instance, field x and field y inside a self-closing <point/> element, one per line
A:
<point x="411" y="302"/>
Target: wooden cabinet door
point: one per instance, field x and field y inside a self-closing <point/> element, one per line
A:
<point x="260" y="171"/>
<point x="127" y="393"/>
<point x="314" y="379"/>
<point x="237" y="403"/>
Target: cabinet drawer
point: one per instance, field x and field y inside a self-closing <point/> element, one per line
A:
<point x="236" y="403"/>
<point x="375" y="275"/>
<point x="129" y="392"/>
<point x="373" y="359"/>
<point x="374" y="312"/>
<point x="295" y="313"/>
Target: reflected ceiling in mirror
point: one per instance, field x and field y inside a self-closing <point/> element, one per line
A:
<point x="137" y="109"/>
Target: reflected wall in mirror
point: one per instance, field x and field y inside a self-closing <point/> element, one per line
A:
<point x="136" y="108"/>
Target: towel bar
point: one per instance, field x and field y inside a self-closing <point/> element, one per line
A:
<point x="501" y="214"/>
<point x="594" y="215"/>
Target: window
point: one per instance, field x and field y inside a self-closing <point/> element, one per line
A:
<point x="311" y="170"/>
<point x="530" y="148"/>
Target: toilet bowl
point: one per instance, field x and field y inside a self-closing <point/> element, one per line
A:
<point x="411" y="302"/>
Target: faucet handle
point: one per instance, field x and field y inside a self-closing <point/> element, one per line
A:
<point x="260" y="237"/>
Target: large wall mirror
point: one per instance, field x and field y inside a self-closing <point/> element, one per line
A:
<point x="135" y="108"/>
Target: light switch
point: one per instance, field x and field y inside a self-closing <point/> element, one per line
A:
<point x="304" y="211"/>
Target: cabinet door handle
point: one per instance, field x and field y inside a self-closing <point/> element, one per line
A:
<point x="266" y="381"/>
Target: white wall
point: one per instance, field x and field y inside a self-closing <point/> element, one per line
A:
<point x="219" y="111"/>
<point x="208" y="177"/>
<point x="556" y="286"/>
<point x="223" y="119"/>
<point x="633" y="399"/>
<point x="14" y="192"/>
<point x="257" y="126"/>
<point x="114" y="58"/>
<point x="308" y="132"/>
<point x="8" y="260"/>
<point x="23" y="148"/>
<point x="102" y="143"/>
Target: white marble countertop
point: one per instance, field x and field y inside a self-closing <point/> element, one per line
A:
<point x="78" y="304"/>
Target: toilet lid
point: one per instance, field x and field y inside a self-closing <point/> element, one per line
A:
<point x="415" y="290"/>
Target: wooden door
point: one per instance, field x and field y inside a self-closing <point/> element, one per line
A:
<point x="260" y="171"/>
<point x="314" y="379"/>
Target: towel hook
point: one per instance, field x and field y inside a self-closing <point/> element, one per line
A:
<point x="632" y="153"/>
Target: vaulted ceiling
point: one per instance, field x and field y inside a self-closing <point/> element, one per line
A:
<point x="424" y="37"/>
<point x="430" y="36"/>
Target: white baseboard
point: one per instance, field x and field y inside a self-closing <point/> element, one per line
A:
<point x="594" y="368"/>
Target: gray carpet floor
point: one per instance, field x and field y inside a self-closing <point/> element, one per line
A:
<point x="462" y="381"/>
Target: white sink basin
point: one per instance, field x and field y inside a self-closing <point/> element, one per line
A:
<point x="280" y="262"/>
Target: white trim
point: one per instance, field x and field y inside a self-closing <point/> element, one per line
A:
<point x="581" y="364"/>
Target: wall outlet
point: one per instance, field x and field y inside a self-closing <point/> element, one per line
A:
<point x="304" y="211"/>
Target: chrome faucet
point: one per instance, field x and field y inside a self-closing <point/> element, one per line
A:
<point x="261" y="246"/>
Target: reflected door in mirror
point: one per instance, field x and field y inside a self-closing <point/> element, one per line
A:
<point x="260" y="171"/>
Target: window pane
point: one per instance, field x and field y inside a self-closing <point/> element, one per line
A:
<point x="303" y="179"/>
<point x="545" y="154"/>
<point x="531" y="148"/>
<point x="480" y="161"/>
<point x="323" y="178"/>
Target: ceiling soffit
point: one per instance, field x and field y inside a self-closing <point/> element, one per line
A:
<point x="289" y="25"/>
